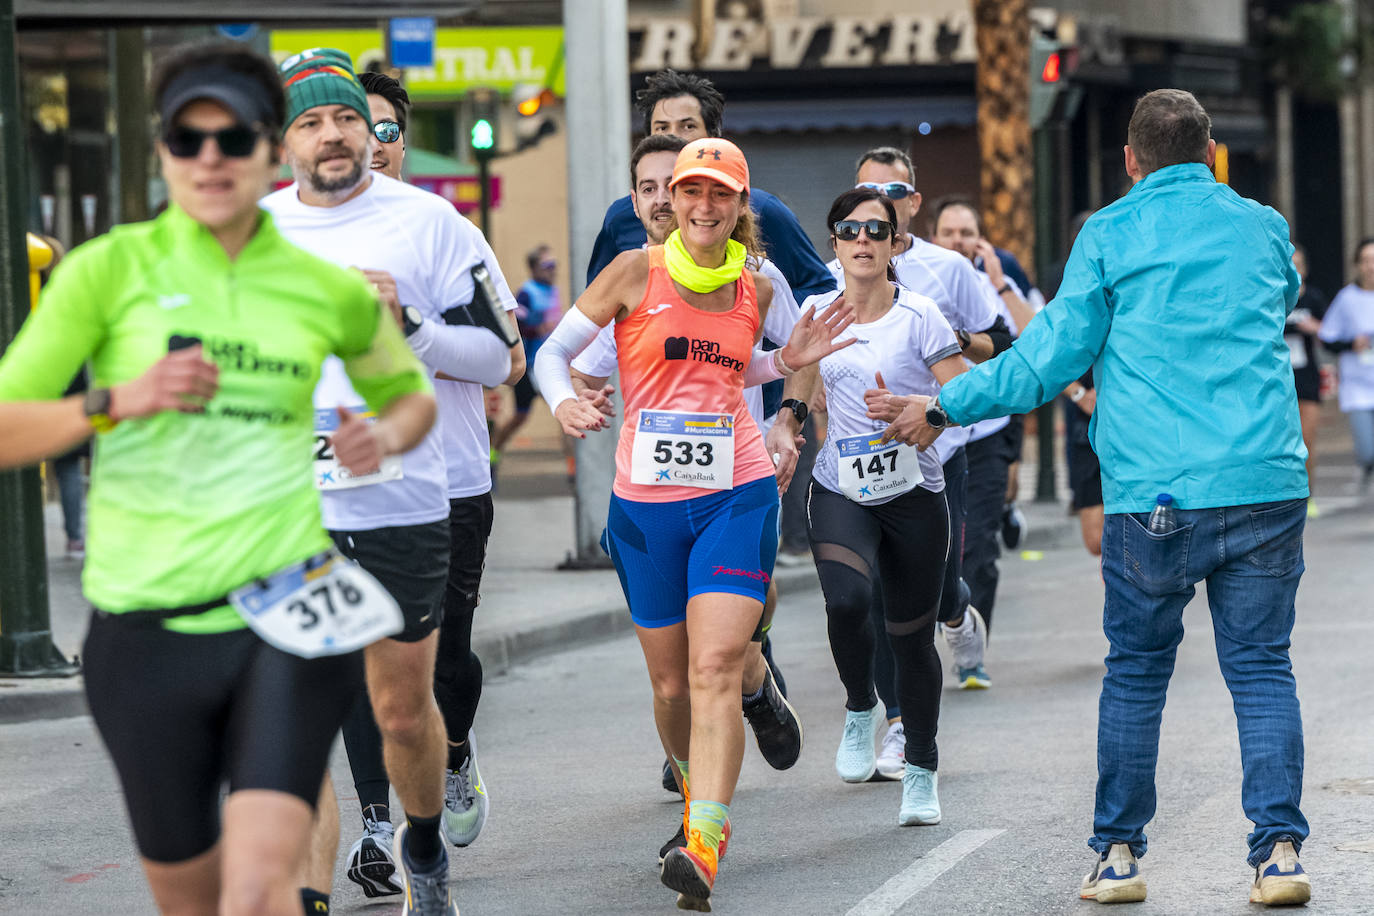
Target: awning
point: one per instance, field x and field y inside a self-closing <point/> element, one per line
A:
<point x="908" y="112"/>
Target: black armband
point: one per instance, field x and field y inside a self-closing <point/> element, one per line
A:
<point x="1000" y="334"/>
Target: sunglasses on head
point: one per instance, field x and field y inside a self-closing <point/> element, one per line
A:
<point x="237" y="142"/>
<point x="847" y="230"/>
<point x="892" y="190"/>
<point x="387" y="131"/>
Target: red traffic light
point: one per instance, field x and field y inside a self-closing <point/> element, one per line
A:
<point x="1051" y="72"/>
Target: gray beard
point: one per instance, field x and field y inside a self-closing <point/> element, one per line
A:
<point x="333" y="185"/>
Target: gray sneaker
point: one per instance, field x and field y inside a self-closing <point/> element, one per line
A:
<point x="370" y="865"/>
<point x="465" y="800"/>
<point x="968" y="644"/>
<point x="427" y="892"/>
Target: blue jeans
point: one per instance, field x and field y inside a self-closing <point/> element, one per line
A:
<point x="1362" y="432"/>
<point x="1251" y="560"/>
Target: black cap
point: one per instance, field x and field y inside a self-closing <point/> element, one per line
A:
<point x="244" y="96"/>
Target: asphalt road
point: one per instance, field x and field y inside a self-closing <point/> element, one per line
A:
<point x="571" y="761"/>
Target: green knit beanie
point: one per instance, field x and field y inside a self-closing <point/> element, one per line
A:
<point x="321" y="76"/>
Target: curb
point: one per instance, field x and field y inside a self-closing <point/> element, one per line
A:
<point x="35" y="699"/>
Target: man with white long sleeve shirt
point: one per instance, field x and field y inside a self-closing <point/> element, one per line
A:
<point x="420" y="255"/>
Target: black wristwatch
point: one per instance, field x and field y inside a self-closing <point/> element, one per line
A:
<point x="964" y="338"/>
<point x="412" y="319"/>
<point x="798" y="408"/>
<point x="936" y="418"/>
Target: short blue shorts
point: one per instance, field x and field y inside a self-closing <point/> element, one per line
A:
<point x="665" y="553"/>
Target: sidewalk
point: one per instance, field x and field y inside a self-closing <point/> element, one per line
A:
<point x="529" y="608"/>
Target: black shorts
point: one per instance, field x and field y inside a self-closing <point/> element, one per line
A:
<point x="1085" y="471"/>
<point x="411" y="562"/>
<point x="182" y="714"/>
<point x="524" y="394"/>
<point x="1308" y="382"/>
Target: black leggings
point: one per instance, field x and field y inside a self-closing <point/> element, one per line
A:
<point x="953" y="598"/>
<point x="457" y="669"/>
<point x="906" y="541"/>
<point x="181" y="714"/>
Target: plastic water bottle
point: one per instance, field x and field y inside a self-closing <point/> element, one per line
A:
<point x="1162" y="516"/>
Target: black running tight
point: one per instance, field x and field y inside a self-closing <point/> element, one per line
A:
<point x="906" y="541"/>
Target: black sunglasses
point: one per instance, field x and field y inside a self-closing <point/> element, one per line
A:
<point x="387" y="131"/>
<point x="847" y="230"/>
<point x="237" y="142"/>
<point x="892" y="190"/>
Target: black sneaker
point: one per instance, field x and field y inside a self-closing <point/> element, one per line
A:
<point x="776" y="726"/>
<point x="679" y="841"/>
<point x="1013" y="525"/>
<point x="669" y="780"/>
<point x="767" y="650"/>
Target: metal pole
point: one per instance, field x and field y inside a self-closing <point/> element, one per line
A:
<point x="598" y="121"/>
<point x="484" y="192"/>
<point x="26" y="647"/>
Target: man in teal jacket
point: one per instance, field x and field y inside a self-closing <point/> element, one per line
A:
<point x="1175" y="296"/>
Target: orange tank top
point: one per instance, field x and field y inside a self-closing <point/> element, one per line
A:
<point x="676" y="357"/>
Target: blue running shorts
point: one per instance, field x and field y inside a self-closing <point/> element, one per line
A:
<point x="666" y="553"/>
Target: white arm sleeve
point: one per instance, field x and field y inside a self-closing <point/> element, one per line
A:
<point x="761" y="369"/>
<point x="570" y="338"/>
<point x="462" y="351"/>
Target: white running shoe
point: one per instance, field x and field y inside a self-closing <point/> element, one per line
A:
<point x="892" y="752"/>
<point x="370" y="863"/>
<point x="855" y="760"/>
<point x="465" y="799"/>
<point x="969" y="642"/>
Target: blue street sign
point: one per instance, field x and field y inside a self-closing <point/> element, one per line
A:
<point x="412" y="42"/>
<point x="238" y="31"/>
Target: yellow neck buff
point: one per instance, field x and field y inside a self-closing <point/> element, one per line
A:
<point x="698" y="279"/>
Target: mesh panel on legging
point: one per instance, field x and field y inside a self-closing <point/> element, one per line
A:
<point x="907" y="540"/>
<point x="953" y="597"/>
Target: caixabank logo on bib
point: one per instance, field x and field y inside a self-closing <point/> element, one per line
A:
<point x="703" y="351"/>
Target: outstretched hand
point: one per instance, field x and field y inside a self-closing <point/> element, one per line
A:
<point x="813" y="338"/>
<point x="882" y="404"/>
<point x="577" y="416"/>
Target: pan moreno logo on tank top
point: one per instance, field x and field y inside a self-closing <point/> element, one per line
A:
<point x="702" y="351"/>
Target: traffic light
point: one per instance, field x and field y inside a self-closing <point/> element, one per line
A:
<point x="1053" y="97"/>
<point x="484" y="134"/>
<point x="535" y="115"/>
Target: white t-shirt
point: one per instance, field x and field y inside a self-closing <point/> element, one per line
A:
<point x="369" y="232"/>
<point x="966" y="299"/>
<point x="1351" y="314"/>
<point x="599" y="359"/>
<point x="902" y="345"/>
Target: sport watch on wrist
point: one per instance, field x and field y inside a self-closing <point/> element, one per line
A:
<point x="412" y="319"/>
<point x="96" y="406"/>
<point x="936" y="418"/>
<point x="964" y="338"/>
<point x="798" y="408"/>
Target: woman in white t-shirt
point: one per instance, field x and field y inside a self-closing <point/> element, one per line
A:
<point x="876" y="506"/>
<point x="1348" y="329"/>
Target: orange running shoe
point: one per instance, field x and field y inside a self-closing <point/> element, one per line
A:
<point x="679" y="841"/>
<point x="692" y="873"/>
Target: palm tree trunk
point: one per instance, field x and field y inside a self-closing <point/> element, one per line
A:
<point x="1004" y="134"/>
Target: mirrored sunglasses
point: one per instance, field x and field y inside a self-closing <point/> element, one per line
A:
<point x="892" y="190"/>
<point x="847" y="230"/>
<point x="387" y="131"/>
<point x="236" y="142"/>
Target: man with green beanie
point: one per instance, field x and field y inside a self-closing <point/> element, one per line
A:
<point x="402" y="523"/>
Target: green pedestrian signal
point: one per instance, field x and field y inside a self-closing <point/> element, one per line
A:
<point x="483" y="135"/>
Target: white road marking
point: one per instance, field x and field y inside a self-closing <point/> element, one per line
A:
<point x="920" y="874"/>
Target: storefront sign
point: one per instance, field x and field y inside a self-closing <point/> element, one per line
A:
<point x="807" y="42"/>
<point x="496" y="58"/>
